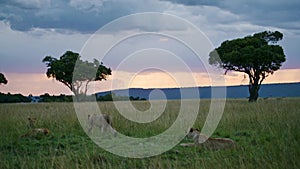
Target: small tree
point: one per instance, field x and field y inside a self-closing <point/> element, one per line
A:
<point x="258" y="56"/>
<point x="3" y="80"/>
<point x="62" y="70"/>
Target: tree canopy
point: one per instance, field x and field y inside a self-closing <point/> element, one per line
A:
<point x="258" y="56"/>
<point x="62" y="70"/>
<point x="3" y="80"/>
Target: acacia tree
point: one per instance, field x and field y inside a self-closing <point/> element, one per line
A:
<point x="62" y="70"/>
<point x="258" y="56"/>
<point x="3" y="80"/>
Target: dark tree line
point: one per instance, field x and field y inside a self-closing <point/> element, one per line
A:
<point x="13" y="98"/>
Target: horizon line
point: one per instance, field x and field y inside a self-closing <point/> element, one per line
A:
<point x="271" y="83"/>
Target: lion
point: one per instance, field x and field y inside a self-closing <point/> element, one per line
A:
<point x="37" y="131"/>
<point x="103" y="122"/>
<point x="205" y="142"/>
<point x="31" y="122"/>
<point x="34" y="132"/>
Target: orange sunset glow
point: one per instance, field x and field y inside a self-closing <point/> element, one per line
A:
<point x="37" y="84"/>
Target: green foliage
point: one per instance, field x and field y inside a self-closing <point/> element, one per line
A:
<point x="108" y="97"/>
<point x="61" y="98"/>
<point x="13" y="98"/>
<point x="3" y="80"/>
<point x="63" y="70"/>
<point x="114" y="97"/>
<point x="258" y="56"/>
<point x="136" y="98"/>
<point x="266" y="133"/>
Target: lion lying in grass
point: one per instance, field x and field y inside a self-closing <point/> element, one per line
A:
<point x="34" y="132"/>
<point x="205" y="142"/>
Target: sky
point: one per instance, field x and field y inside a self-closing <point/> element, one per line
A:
<point x="33" y="29"/>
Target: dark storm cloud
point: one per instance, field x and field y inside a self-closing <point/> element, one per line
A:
<point x="194" y="2"/>
<point x="58" y="15"/>
<point x="75" y="15"/>
<point x="278" y="13"/>
<point x="88" y="16"/>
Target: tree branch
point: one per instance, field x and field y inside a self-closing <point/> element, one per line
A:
<point x="86" y="86"/>
<point x="263" y="78"/>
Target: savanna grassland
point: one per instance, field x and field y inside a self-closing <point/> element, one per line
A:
<point x="267" y="135"/>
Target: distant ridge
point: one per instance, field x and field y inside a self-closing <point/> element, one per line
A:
<point x="266" y="90"/>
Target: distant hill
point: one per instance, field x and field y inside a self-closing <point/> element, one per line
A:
<point x="267" y="90"/>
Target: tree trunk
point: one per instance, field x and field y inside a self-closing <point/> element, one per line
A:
<point x="74" y="90"/>
<point x="253" y="90"/>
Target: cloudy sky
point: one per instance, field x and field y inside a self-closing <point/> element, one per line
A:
<point x="33" y="29"/>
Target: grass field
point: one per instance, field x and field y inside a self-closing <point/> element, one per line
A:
<point x="267" y="134"/>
